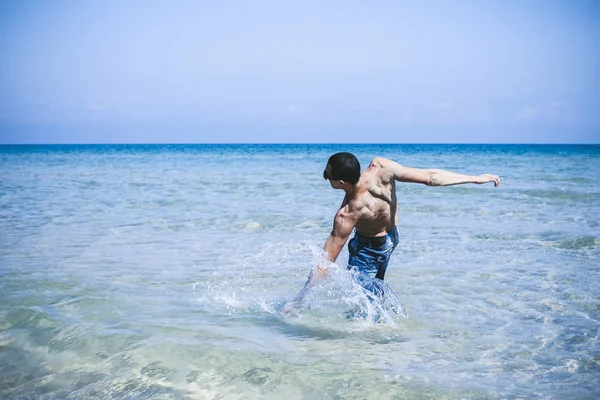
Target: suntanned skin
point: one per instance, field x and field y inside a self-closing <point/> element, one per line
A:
<point x="370" y="205"/>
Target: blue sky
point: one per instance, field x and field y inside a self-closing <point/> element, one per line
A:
<point x="325" y="71"/>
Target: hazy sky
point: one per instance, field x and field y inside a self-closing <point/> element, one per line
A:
<point x="325" y="71"/>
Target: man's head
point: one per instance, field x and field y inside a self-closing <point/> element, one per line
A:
<point x="342" y="166"/>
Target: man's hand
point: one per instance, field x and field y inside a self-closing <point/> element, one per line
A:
<point x="294" y="304"/>
<point x="291" y="306"/>
<point x="485" y="178"/>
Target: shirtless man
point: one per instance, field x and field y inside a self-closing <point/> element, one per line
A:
<point x="369" y="207"/>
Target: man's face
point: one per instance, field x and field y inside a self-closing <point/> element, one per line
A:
<point x="335" y="183"/>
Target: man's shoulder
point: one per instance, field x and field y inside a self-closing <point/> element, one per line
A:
<point x="349" y="213"/>
<point x="379" y="162"/>
<point x="382" y="168"/>
<point x="361" y="201"/>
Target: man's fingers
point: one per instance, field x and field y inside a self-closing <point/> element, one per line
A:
<point x="289" y="307"/>
<point x="491" y="178"/>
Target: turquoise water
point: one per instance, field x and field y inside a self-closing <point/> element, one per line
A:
<point x="160" y="271"/>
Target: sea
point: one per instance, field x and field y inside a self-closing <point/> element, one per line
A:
<point x="161" y="272"/>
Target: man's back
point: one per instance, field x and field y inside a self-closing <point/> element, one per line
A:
<point x="374" y="200"/>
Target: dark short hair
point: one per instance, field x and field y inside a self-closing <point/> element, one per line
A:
<point x="344" y="166"/>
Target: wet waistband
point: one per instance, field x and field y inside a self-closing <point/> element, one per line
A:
<point x="369" y="240"/>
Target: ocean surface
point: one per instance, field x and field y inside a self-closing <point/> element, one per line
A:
<point x="160" y="272"/>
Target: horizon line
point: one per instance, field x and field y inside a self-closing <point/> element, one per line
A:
<point x="304" y="143"/>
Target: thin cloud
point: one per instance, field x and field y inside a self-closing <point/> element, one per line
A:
<point x="554" y="104"/>
<point x="292" y="109"/>
<point x="527" y="113"/>
<point x="549" y="109"/>
<point x="93" y="107"/>
<point x="444" y="105"/>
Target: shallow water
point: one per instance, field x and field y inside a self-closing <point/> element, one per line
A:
<point x="160" y="272"/>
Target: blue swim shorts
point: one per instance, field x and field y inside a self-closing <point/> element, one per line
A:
<point x="369" y="257"/>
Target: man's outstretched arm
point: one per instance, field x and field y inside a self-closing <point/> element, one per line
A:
<point x="342" y="228"/>
<point x="433" y="177"/>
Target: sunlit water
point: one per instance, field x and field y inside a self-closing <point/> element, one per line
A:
<point x="160" y="272"/>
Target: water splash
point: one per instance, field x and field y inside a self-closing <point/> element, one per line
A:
<point x="341" y="296"/>
<point x="338" y="298"/>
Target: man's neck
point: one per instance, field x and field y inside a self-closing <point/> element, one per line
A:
<point x="350" y="190"/>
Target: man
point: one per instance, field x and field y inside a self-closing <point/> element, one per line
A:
<point x="369" y="207"/>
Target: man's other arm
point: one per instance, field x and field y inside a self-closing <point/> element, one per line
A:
<point x="342" y="228"/>
<point x="433" y="177"/>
